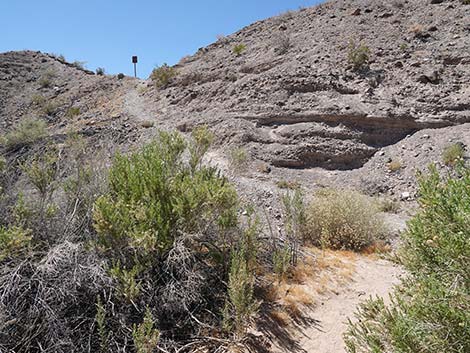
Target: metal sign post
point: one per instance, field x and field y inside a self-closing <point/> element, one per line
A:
<point x="134" y="61"/>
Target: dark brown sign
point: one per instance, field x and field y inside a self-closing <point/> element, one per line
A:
<point x="134" y="59"/>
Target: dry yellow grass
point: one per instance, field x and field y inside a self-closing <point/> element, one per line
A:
<point x="324" y="272"/>
<point x="280" y="317"/>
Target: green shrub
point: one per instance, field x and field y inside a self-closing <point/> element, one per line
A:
<point x="358" y="55"/>
<point x="120" y="76"/>
<point x="452" y="154"/>
<point x="282" y="261"/>
<point x="14" y="241"/>
<point x="154" y="197"/>
<point x="430" y="311"/>
<point x="163" y="75"/>
<point x="202" y="139"/>
<point x="3" y="164"/>
<point x="145" y="335"/>
<point x="294" y="221"/>
<point x="242" y="305"/>
<point x="238" y="49"/>
<point x="25" y="133"/>
<point x="73" y="111"/>
<point x="342" y="219"/>
<point x="100" y="319"/>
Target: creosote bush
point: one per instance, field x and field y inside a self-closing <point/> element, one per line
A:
<point x="343" y="219"/>
<point x="430" y="310"/>
<point x="163" y="75"/>
<point x="25" y="133"/>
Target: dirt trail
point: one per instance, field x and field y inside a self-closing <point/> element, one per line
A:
<point x="372" y="277"/>
<point x="135" y="106"/>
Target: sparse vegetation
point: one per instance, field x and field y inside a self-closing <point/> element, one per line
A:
<point x="145" y="335"/>
<point x="430" y="310"/>
<point x="49" y="108"/>
<point x="38" y="100"/>
<point x="343" y="219"/>
<point x="238" y="159"/>
<point x="394" y="166"/>
<point x="388" y="205"/>
<point x="79" y="65"/>
<point x="120" y="76"/>
<point x="163" y="75"/>
<point x="73" y="111"/>
<point x="453" y="154"/>
<point x="358" y="55"/>
<point x="282" y="43"/>
<point x="25" y="133"/>
<point x="238" y="49"/>
<point x="100" y="71"/>
<point x="288" y="184"/>
<point x="46" y="80"/>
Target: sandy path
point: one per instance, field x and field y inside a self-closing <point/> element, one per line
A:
<point x="372" y="277"/>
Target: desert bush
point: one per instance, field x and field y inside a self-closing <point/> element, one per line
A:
<point x="79" y="65"/>
<point x="241" y="306"/>
<point x="358" y="55"/>
<point x="202" y="139"/>
<point x="453" y="154"/>
<point x="42" y="300"/>
<point x="145" y="335"/>
<point x="282" y="44"/>
<point x="430" y="310"/>
<point x="288" y="184"/>
<point x="49" y="108"/>
<point x="282" y="261"/>
<point x="294" y="221"/>
<point x="25" y="133"/>
<point x="465" y="2"/>
<point x="120" y="76"/>
<point x="37" y="99"/>
<point x="394" y="166"/>
<point x="46" y="80"/>
<point x="163" y="75"/>
<point x="100" y="71"/>
<point x="387" y="205"/>
<point x="154" y="195"/>
<point x="73" y="111"/>
<point x="14" y="241"/>
<point x="238" y="49"/>
<point x="343" y="219"/>
<point x="238" y="159"/>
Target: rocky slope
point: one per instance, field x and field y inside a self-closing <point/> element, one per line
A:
<point x="291" y="98"/>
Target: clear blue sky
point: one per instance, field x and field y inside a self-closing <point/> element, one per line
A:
<point x="106" y="33"/>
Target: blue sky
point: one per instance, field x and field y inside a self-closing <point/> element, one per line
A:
<point x="106" y="33"/>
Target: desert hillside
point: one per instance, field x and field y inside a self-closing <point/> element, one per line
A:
<point x="209" y="231"/>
